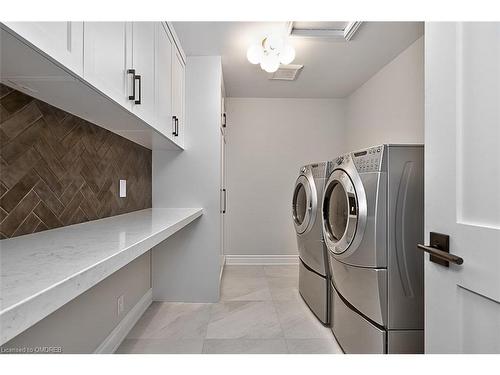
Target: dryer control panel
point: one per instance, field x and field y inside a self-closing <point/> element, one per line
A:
<point x="369" y="160"/>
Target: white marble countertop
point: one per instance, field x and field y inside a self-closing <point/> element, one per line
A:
<point x="41" y="272"/>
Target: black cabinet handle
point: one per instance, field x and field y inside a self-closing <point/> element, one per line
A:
<point x="132" y="71"/>
<point x="138" y="77"/>
<point x="225" y="201"/>
<point x="175" y="124"/>
<point x="224" y="120"/>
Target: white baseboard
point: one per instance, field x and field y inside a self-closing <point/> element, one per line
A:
<point x="115" y="338"/>
<point x="222" y="264"/>
<point x="232" y="260"/>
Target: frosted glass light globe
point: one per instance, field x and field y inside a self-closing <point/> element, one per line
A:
<point x="287" y="54"/>
<point x="274" y="43"/>
<point x="270" y="63"/>
<point x="255" y="53"/>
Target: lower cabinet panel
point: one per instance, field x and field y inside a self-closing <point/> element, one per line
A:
<point x="355" y="334"/>
<point x="405" y="342"/>
<point x="314" y="290"/>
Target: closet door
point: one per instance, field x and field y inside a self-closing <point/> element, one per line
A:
<point x="163" y="71"/>
<point x="108" y="57"/>
<point x="63" y="41"/>
<point x="143" y="61"/>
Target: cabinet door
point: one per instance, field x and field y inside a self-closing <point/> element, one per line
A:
<point x="163" y="68"/>
<point x="107" y="57"/>
<point x="144" y="65"/>
<point x="223" y="119"/>
<point x="178" y="93"/>
<point x="63" y="41"/>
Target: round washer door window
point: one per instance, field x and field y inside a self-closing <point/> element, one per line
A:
<point x="300" y="205"/>
<point x="340" y="212"/>
<point x="304" y="202"/>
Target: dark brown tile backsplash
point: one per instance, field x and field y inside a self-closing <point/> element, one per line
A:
<point x="57" y="169"/>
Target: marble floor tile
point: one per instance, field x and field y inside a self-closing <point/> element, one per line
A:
<point x="260" y="311"/>
<point x="283" y="288"/>
<point x="243" y="319"/>
<point x="244" y="288"/>
<point x="245" y="346"/>
<point x="161" y="346"/>
<point x="170" y="320"/>
<point x="298" y="322"/>
<point x="291" y="270"/>
<point x="243" y="271"/>
<point x="313" y="346"/>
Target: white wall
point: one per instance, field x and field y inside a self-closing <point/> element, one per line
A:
<point x="186" y="266"/>
<point x="267" y="142"/>
<point x="389" y="107"/>
<point x="269" y="139"/>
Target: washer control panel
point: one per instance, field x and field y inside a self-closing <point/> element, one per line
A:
<point x="368" y="160"/>
<point x="319" y="170"/>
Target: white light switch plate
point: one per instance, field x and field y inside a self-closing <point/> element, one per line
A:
<point x="123" y="188"/>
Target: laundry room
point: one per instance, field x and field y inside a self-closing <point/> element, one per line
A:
<point x="249" y="187"/>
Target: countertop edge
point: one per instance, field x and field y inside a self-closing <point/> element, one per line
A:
<point x="33" y="309"/>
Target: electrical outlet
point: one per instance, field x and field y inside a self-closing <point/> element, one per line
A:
<point x="123" y="188"/>
<point x="121" y="304"/>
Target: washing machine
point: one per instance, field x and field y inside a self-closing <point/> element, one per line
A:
<point x="372" y="219"/>
<point x="314" y="281"/>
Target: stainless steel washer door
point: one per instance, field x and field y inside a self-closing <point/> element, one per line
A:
<point x="304" y="204"/>
<point x="342" y="214"/>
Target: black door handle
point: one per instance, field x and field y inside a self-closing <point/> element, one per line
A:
<point x="174" y="126"/>
<point x="439" y="250"/>
<point x="443" y="255"/>
<point x="224" y="120"/>
<point x="132" y="71"/>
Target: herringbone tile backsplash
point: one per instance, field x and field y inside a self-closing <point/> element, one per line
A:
<point x="57" y="169"/>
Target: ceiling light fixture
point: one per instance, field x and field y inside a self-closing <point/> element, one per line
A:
<point x="270" y="53"/>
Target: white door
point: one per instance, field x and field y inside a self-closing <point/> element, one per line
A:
<point x="462" y="185"/>
<point x="178" y="94"/>
<point x="63" y="41"/>
<point x="143" y="61"/>
<point x="107" y="58"/>
<point x="164" y="122"/>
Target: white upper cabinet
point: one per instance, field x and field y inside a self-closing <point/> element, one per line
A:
<point x="63" y="41"/>
<point x="108" y="56"/>
<point x="178" y="73"/>
<point x="163" y="67"/>
<point x="170" y="71"/>
<point x="138" y="66"/>
<point x="143" y="62"/>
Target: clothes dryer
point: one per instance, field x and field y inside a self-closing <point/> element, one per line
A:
<point x="372" y="217"/>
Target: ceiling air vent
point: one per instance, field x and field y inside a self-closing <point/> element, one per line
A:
<point x="341" y="31"/>
<point x="286" y="73"/>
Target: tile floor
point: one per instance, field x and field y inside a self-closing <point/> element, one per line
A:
<point x="260" y="311"/>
